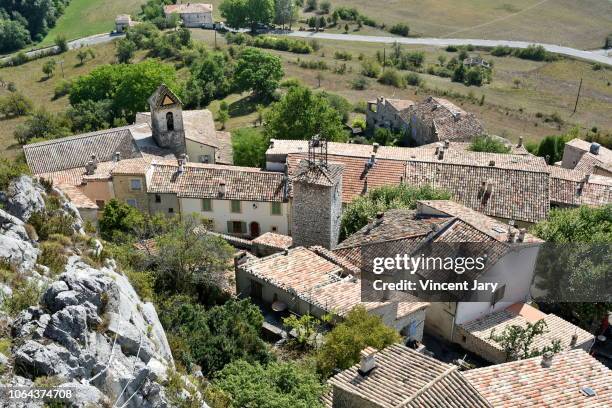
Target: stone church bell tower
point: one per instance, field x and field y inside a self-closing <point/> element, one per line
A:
<point x="167" y="120"/>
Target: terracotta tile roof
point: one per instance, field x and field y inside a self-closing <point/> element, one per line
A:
<point x="481" y="222"/>
<point x="78" y="198"/>
<point x="589" y="162"/>
<point x="575" y="187"/>
<point x="318" y="280"/>
<point x="321" y="175"/>
<point x="408" y="379"/>
<point x="383" y="172"/>
<point x="449" y="121"/>
<point x="188" y="8"/>
<point x="392" y="225"/>
<point x="203" y="180"/>
<point x="518" y="184"/>
<point x="465" y="146"/>
<point x="519" y="315"/>
<point x="137" y="166"/>
<point x="526" y="384"/>
<point x="75" y="151"/>
<point x="274" y="240"/>
<point x="281" y="148"/>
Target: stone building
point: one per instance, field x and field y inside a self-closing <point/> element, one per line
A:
<point x="167" y="120"/>
<point x="317" y="199"/>
<point x="385" y="112"/>
<point x="191" y="14"/>
<point x="123" y="22"/>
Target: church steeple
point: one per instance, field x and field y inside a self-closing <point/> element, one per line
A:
<point x="167" y="119"/>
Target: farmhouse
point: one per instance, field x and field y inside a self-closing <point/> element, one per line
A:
<point x="191" y="14"/>
<point x="431" y="120"/>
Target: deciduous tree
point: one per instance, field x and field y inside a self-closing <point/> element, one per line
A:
<point x="258" y="71"/>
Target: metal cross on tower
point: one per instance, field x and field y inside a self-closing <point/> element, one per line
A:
<point x="317" y="151"/>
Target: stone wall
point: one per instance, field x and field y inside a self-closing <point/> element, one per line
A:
<point x="316" y="214"/>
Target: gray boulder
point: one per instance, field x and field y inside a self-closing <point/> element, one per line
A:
<point x="15" y="245"/>
<point x="34" y="359"/>
<point x="24" y="197"/>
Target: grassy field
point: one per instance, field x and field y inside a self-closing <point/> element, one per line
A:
<point x="580" y="24"/>
<point x="546" y="88"/>
<point x="30" y="80"/>
<point x="87" y="17"/>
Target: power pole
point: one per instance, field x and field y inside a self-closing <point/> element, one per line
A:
<point x="577" y="96"/>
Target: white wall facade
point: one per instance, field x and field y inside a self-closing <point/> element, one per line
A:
<point x="198" y="152"/>
<point x="251" y="211"/>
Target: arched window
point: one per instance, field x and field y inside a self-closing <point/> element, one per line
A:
<point x="169" y="121"/>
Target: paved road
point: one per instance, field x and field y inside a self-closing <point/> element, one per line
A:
<point x="602" y="56"/>
<point x="91" y="40"/>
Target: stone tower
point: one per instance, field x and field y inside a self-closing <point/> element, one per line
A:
<point x="167" y="120"/>
<point x="317" y="199"/>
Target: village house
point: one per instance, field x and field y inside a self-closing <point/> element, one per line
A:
<point x="429" y="121"/>
<point x="123" y="22"/>
<point x="586" y="156"/>
<point x="570" y="379"/>
<point x="385" y="113"/>
<point x="191" y="14"/>
<point x="475" y="335"/>
<point x="401" y="377"/>
<point x="240" y="201"/>
<point x="316" y="282"/>
<point x="398" y="376"/>
<point x="511" y="256"/>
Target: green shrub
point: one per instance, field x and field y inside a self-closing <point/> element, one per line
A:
<point x="25" y="294"/>
<point x="360" y="107"/>
<point x="370" y="68"/>
<point x="400" y="29"/>
<point x="52" y="255"/>
<point x="501" y="51"/>
<point x="360" y="83"/>
<point x="392" y="77"/>
<point x="143" y="283"/>
<point x="451" y="48"/>
<point x="54" y="223"/>
<point x="9" y="169"/>
<point x="413" y="79"/>
<point x="488" y="144"/>
<point x="343" y="55"/>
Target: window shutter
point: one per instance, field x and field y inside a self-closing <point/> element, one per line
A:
<point x="229" y="227"/>
<point x="243" y="227"/>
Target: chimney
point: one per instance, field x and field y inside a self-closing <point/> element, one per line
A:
<point x="574" y="340"/>
<point x="117" y="156"/>
<point x="520" y="143"/>
<point x="547" y="158"/>
<point x="594" y="149"/>
<point x="365" y="185"/>
<point x="510" y="235"/>
<point x="375" y="147"/>
<point x="368" y="360"/>
<point x="441" y="154"/>
<point x="446" y="143"/>
<point x="181" y="165"/>
<point x="521" y="235"/>
<point x="547" y="359"/>
<point x="221" y="188"/>
<point x="185" y="158"/>
<point x="491" y="163"/>
<point x="271" y="146"/>
<point x="90" y="167"/>
<point x="483" y="187"/>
